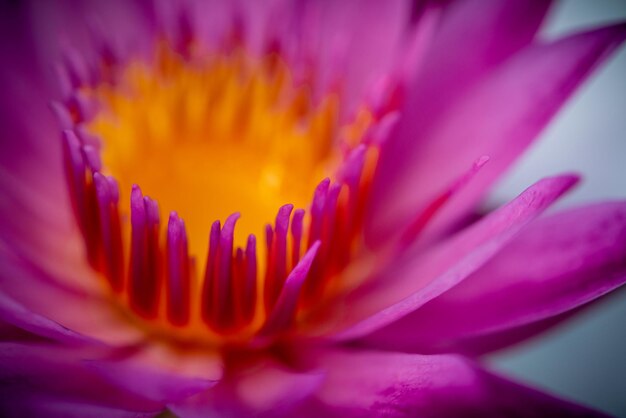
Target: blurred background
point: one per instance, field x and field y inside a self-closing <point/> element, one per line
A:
<point x="585" y="359"/>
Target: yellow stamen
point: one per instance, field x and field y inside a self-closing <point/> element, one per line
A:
<point x="212" y="135"/>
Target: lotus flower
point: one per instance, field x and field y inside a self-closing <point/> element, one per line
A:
<point x="320" y="165"/>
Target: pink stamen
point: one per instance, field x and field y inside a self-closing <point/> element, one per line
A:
<point x="296" y="235"/>
<point x="144" y="259"/>
<point x="110" y="230"/>
<point x="178" y="269"/>
<point x="285" y="309"/>
<point x="209" y="298"/>
<point x="277" y="262"/>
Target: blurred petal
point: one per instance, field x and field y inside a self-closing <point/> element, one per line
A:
<point x="476" y="36"/>
<point x="414" y="280"/>
<point x="44" y="301"/>
<point x="349" y="43"/>
<point x="363" y="384"/>
<point x="57" y="371"/>
<point x="499" y="117"/>
<point x="478" y="345"/>
<point x="554" y="265"/>
<point x="160" y="373"/>
<point x="15" y="314"/>
<point x="29" y="403"/>
<point x="269" y="390"/>
<point x="151" y="383"/>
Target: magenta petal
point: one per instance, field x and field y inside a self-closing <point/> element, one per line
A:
<point x="361" y="384"/>
<point x="14" y="313"/>
<point x="556" y="264"/>
<point x="421" y="219"/>
<point x="32" y="292"/>
<point x="59" y="371"/>
<point x="499" y="117"/>
<point x="151" y="383"/>
<point x="414" y="279"/>
<point x="475" y="346"/>
<point x="268" y="391"/>
<point x="476" y="36"/>
<point x="350" y="43"/>
<point x="29" y="403"/>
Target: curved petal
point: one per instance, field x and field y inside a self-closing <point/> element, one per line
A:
<point x="498" y="117"/>
<point x="59" y="372"/>
<point x="17" y="315"/>
<point x="28" y="403"/>
<point x="268" y="390"/>
<point x="348" y="44"/>
<point x="407" y="236"/>
<point x="52" y="307"/>
<point x="159" y="373"/>
<point x="414" y="279"/>
<point x="77" y="32"/>
<point x="154" y="384"/>
<point x="554" y="265"/>
<point x="478" y="345"/>
<point x="476" y="36"/>
<point x="360" y="384"/>
<point x="35" y="210"/>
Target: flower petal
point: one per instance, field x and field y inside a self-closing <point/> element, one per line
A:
<point x="17" y="315"/>
<point x="498" y="117"/>
<point x="160" y="373"/>
<point x="350" y="43"/>
<point x="28" y="403"/>
<point x="476" y="36"/>
<point x="363" y="384"/>
<point x="415" y="279"/>
<point x="554" y="265"/>
<point x="58" y="371"/>
<point x="31" y="290"/>
<point x="269" y="390"/>
<point x="154" y="384"/>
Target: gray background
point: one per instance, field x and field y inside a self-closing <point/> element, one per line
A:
<point x="584" y="360"/>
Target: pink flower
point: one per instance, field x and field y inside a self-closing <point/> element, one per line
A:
<point x="354" y="140"/>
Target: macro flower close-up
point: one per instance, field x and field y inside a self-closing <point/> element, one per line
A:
<point x="275" y="209"/>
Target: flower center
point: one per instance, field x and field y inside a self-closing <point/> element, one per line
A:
<point x="213" y="136"/>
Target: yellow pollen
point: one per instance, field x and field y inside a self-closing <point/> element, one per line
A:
<point x="215" y="134"/>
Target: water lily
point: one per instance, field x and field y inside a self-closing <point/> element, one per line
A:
<point x="235" y="209"/>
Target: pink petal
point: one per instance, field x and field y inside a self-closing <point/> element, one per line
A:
<point x="499" y="117"/>
<point x="415" y="279"/>
<point x="268" y="391"/>
<point x="31" y="225"/>
<point x="406" y="236"/>
<point x="476" y="36"/>
<point x="65" y="27"/>
<point x="59" y="371"/>
<point x="360" y="384"/>
<point x="160" y="373"/>
<point x="210" y="20"/>
<point x="351" y="42"/>
<point x="554" y="265"/>
<point x="29" y="403"/>
<point x="15" y="314"/>
<point x="484" y="344"/>
<point x="154" y="384"/>
<point x="27" y="287"/>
